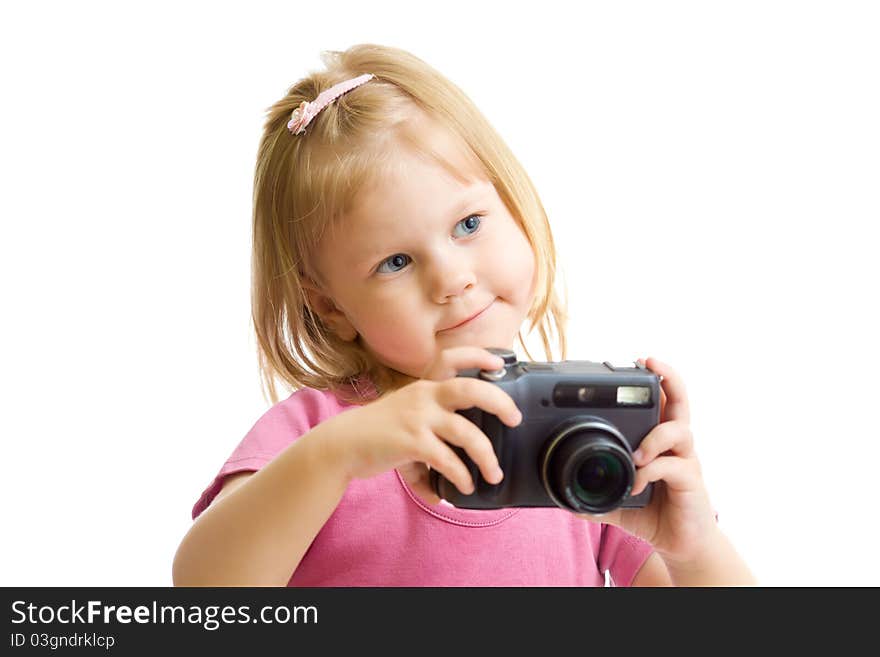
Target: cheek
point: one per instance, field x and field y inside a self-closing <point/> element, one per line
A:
<point x="397" y="333"/>
<point x="380" y="311"/>
<point x="519" y="261"/>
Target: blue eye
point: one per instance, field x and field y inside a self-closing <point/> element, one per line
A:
<point x="471" y="224"/>
<point x="398" y="260"/>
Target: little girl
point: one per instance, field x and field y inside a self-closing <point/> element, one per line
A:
<point x="396" y="238"/>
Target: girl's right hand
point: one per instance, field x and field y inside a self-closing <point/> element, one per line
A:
<point x="418" y="423"/>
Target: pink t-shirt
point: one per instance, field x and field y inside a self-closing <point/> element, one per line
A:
<point x="383" y="534"/>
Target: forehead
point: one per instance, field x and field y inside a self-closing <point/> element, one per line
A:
<point x="420" y="162"/>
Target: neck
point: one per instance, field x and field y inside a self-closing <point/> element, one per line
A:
<point x="398" y="380"/>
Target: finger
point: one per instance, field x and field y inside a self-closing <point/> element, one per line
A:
<point x="458" y="430"/>
<point x="679" y="474"/>
<point x="676" y="406"/>
<point x="451" y="361"/>
<point x="461" y="393"/>
<point x="673" y="437"/>
<point x="439" y="456"/>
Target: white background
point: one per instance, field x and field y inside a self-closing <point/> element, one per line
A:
<point x="711" y="174"/>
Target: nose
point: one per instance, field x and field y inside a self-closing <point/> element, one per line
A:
<point x="451" y="276"/>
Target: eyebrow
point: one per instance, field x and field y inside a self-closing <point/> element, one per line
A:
<point x="471" y="198"/>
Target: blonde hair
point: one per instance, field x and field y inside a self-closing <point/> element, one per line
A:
<point x="303" y="185"/>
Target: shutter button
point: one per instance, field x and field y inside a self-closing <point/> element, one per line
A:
<point x="496" y="375"/>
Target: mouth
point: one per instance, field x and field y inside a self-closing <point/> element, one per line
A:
<point x="469" y="319"/>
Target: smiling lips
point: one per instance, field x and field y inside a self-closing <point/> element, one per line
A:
<point x="469" y="319"/>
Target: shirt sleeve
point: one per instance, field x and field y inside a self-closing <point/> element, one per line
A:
<point x="621" y="554"/>
<point x="271" y="434"/>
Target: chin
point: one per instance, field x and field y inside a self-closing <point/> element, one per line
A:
<point x="476" y="339"/>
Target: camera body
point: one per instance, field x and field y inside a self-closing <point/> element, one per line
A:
<point x="582" y="421"/>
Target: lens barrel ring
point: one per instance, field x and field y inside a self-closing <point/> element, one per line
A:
<point x="577" y="427"/>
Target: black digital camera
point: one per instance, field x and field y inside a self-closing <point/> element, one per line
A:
<point x="582" y="421"/>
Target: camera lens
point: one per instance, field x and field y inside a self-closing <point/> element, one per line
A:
<point x="599" y="479"/>
<point x="588" y="469"/>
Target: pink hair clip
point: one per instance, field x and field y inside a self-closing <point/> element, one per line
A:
<point x="303" y="115"/>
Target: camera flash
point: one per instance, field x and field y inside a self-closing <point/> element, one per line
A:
<point x="634" y="395"/>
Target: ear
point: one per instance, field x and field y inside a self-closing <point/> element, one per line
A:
<point x="331" y="316"/>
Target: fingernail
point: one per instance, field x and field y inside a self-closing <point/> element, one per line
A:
<point x="638" y="456"/>
<point x="495" y="476"/>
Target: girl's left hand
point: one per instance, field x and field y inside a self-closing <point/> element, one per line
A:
<point x="679" y="521"/>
